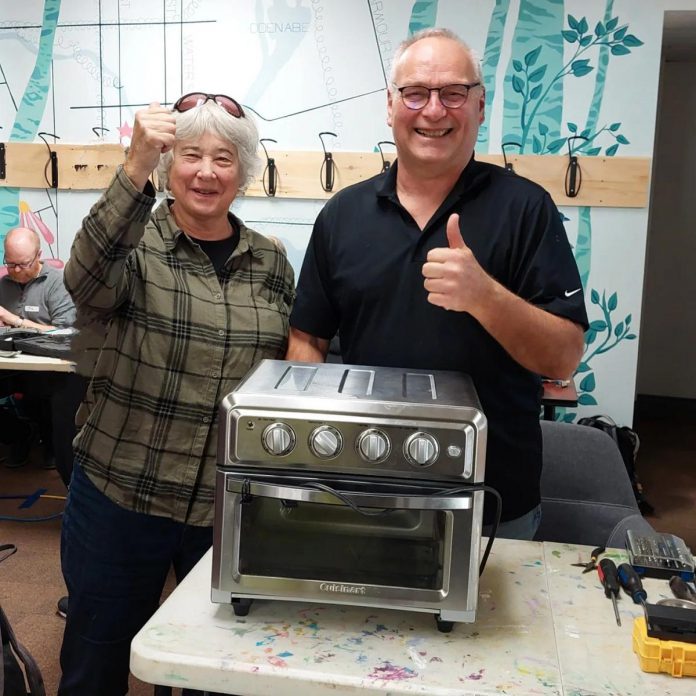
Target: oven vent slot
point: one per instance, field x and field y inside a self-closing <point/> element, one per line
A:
<point x="357" y="382"/>
<point x="419" y="386"/>
<point x="296" y="378"/>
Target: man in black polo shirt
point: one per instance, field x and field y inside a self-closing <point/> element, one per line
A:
<point x="447" y="263"/>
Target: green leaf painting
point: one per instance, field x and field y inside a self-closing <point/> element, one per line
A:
<point x="535" y="77"/>
<point x="603" y="335"/>
<point x="533" y="92"/>
<point x="549" y="47"/>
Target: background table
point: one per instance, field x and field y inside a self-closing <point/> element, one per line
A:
<point x="60" y="386"/>
<point x="24" y="362"/>
<point x="542" y="628"/>
<point x="556" y="395"/>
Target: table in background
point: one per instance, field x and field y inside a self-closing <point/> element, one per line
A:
<point x="542" y="628"/>
<point x="64" y="390"/>
<point x="36" y="363"/>
<point x="555" y="394"/>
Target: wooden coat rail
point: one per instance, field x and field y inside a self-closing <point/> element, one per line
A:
<point x="614" y="182"/>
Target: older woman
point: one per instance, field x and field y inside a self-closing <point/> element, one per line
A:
<point x="192" y="299"/>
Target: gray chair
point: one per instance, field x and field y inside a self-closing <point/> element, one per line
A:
<point x="586" y="494"/>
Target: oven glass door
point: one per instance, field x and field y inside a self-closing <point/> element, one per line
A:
<point x="334" y="542"/>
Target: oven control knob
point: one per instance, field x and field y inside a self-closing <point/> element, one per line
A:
<point x="325" y="442"/>
<point x="278" y="439"/>
<point x="373" y="445"/>
<point x="421" y="449"/>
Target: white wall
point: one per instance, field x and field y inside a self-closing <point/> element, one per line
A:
<point x="301" y="75"/>
<point x="667" y="365"/>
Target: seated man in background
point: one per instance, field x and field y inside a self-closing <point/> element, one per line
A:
<point x="446" y="263"/>
<point x="32" y="296"/>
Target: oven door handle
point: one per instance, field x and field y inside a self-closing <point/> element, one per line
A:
<point x="326" y="496"/>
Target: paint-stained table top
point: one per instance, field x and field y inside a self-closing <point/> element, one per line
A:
<point x="542" y="628"/>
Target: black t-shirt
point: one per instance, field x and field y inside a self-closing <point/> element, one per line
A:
<point x="362" y="276"/>
<point x="219" y="250"/>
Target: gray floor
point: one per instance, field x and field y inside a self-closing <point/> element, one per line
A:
<point x="31" y="583"/>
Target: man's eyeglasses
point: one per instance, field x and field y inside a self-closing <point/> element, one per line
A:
<point x="451" y="96"/>
<point x="194" y="99"/>
<point x="23" y="266"/>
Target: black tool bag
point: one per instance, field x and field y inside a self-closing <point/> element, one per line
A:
<point x="19" y="673"/>
<point x="628" y="442"/>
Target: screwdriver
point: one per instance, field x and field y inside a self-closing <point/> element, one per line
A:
<point x="609" y="577"/>
<point x="630" y="581"/>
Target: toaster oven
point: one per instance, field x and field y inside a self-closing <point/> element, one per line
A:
<point x="353" y="485"/>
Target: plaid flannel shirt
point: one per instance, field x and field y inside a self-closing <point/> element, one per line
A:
<point x="179" y="339"/>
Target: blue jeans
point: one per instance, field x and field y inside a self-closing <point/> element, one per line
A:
<point x="523" y="527"/>
<point x="115" y="563"/>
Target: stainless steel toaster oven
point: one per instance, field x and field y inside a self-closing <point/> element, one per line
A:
<point x="350" y="484"/>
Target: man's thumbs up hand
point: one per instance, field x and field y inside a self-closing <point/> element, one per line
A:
<point x="454" y="236"/>
<point x="453" y="277"/>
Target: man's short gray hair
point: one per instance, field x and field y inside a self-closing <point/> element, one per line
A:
<point x="212" y="118"/>
<point x="435" y="33"/>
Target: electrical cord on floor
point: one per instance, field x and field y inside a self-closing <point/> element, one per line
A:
<point x="29" y="495"/>
<point x="46" y="518"/>
<point x="6" y="550"/>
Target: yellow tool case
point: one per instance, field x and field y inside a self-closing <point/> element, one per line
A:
<point x="655" y="655"/>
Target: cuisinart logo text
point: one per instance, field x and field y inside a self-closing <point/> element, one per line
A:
<point x="343" y="589"/>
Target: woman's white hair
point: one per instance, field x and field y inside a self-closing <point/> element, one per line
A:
<point x="435" y="33"/>
<point x="209" y="117"/>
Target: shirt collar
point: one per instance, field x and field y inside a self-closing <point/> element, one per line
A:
<point x="173" y="235"/>
<point x="472" y="178"/>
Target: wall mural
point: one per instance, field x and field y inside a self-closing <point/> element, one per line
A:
<point x="534" y="83"/>
<point x="29" y="113"/>
<point x="560" y="77"/>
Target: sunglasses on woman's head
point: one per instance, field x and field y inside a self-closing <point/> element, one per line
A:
<point x="194" y="99"/>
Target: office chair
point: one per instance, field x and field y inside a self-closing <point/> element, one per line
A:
<point x="586" y="493"/>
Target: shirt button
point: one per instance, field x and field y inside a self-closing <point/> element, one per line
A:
<point x="206" y="419"/>
<point x="218" y="295"/>
<point x="216" y="375"/>
<point x="221" y="332"/>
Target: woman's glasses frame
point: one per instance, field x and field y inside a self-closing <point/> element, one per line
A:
<point x="193" y="99"/>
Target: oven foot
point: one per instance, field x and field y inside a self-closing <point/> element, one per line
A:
<point x="444" y="626"/>
<point x="241" y="605"/>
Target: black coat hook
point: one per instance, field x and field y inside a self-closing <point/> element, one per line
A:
<point x="52" y="160"/>
<point x="326" y="174"/>
<point x="385" y="162"/>
<point x="510" y="143"/>
<point x="269" y="190"/>
<point x="573" y="177"/>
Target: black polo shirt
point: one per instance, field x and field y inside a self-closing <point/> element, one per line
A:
<point x="362" y="276"/>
